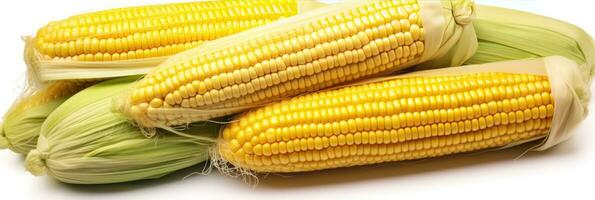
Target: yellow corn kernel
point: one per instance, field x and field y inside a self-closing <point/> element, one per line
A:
<point x="417" y="131"/>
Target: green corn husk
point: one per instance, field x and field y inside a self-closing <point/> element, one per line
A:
<point x="84" y="142"/>
<point x="23" y="121"/>
<point x="20" y="130"/>
<point x="506" y="34"/>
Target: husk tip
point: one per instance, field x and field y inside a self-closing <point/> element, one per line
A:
<point x="35" y="163"/>
<point x="32" y="62"/>
<point x="3" y="140"/>
<point x="463" y="11"/>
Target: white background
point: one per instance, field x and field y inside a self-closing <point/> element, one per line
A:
<point x="564" y="172"/>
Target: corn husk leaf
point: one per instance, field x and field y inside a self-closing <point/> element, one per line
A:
<point x="84" y="142"/>
<point x="21" y="129"/>
<point x="506" y="34"/>
<point x="22" y="122"/>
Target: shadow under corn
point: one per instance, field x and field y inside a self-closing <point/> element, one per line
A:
<point x="175" y="177"/>
<point x="397" y="170"/>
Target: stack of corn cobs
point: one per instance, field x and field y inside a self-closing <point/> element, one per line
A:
<point x="282" y="86"/>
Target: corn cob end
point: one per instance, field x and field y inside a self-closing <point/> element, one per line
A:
<point x="35" y="163"/>
<point x="136" y="114"/>
<point x="218" y="161"/>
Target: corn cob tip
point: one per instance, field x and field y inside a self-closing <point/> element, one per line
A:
<point x="136" y="115"/>
<point x="227" y="168"/>
<point x="35" y="163"/>
<point x="3" y="140"/>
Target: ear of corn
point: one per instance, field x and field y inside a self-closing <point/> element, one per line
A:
<point x="382" y="122"/>
<point x="322" y="48"/>
<point x="129" y="41"/>
<point x="506" y="34"/>
<point x="23" y="121"/>
<point x="416" y="116"/>
<point x="83" y="142"/>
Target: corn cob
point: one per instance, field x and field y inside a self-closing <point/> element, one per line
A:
<point x="84" y="142"/>
<point x="129" y="41"/>
<point x="417" y="116"/>
<point x="23" y="121"/>
<point x="332" y="45"/>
